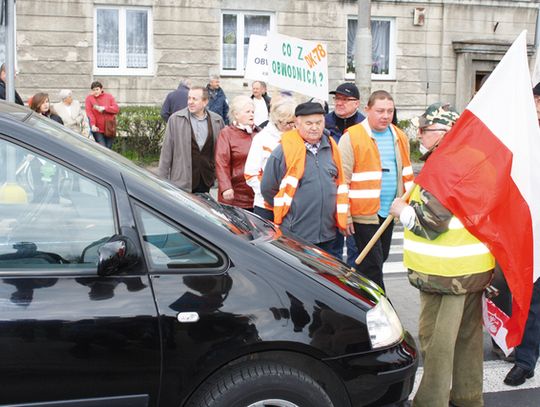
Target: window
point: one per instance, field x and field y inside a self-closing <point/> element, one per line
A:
<point x="52" y="217"/>
<point x="167" y="247"/>
<point x="382" y="48"/>
<point x="236" y="29"/>
<point x="123" y="41"/>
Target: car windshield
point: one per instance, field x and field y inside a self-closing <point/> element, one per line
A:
<point x="235" y="220"/>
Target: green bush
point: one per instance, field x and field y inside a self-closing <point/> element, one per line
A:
<point x="414" y="144"/>
<point x="140" y="132"/>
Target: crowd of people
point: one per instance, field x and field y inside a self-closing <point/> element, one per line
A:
<point x="332" y="178"/>
<point x="319" y="175"/>
<point x="96" y="120"/>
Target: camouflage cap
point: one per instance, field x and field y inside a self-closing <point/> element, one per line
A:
<point x="438" y="112"/>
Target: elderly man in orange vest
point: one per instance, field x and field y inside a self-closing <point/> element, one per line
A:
<point x="303" y="180"/>
<point x="377" y="167"/>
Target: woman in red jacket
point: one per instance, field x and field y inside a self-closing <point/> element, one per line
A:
<point x="100" y="107"/>
<point x="232" y="148"/>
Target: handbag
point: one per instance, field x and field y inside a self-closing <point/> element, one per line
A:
<point x="110" y="127"/>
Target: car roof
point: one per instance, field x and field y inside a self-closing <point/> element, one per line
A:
<point x="21" y="113"/>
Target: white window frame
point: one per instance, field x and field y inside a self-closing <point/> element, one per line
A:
<point x="239" y="39"/>
<point x="391" y="75"/>
<point x="122" y="69"/>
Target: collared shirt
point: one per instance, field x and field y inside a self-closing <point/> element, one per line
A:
<point x="314" y="148"/>
<point x="200" y="128"/>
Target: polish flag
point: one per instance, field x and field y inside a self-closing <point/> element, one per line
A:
<point x="486" y="171"/>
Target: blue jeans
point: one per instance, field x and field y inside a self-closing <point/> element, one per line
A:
<point x="527" y="351"/>
<point x="337" y="249"/>
<point x="104" y="141"/>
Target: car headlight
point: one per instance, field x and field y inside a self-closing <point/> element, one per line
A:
<point x="383" y="324"/>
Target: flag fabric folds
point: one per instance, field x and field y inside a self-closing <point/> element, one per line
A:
<point x="485" y="172"/>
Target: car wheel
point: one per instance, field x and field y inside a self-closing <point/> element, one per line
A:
<point x="260" y="384"/>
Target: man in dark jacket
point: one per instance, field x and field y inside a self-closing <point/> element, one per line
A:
<point x="301" y="180"/>
<point x="217" y="101"/>
<point x="18" y="98"/>
<point x="344" y="115"/>
<point x="176" y="100"/>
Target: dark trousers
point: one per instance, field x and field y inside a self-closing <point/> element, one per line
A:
<point x="104" y="141"/>
<point x="201" y="188"/>
<point x="527" y="351"/>
<point x="352" y="250"/>
<point x="326" y="246"/>
<point x="264" y="213"/>
<point x="372" y="265"/>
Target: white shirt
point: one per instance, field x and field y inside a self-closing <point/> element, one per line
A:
<point x="261" y="111"/>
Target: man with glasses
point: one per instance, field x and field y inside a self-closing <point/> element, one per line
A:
<point x="451" y="269"/>
<point x="377" y="166"/>
<point x="344" y="115"/>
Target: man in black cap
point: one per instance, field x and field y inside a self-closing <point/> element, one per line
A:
<point x="344" y="115"/>
<point x="306" y="168"/>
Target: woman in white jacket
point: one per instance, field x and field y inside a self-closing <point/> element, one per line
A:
<point x="71" y="113"/>
<point x="281" y="120"/>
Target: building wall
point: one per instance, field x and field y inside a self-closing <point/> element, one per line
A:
<point x="55" y="43"/>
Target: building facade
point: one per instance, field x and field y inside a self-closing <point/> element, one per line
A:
<point x="423" y="51"/>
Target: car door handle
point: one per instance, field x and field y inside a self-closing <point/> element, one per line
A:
<point x="187" y="317"/>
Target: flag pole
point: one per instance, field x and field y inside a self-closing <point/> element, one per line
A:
<point x="377" y="235"/>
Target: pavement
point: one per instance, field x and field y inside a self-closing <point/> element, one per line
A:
<point x="406" y="301"/>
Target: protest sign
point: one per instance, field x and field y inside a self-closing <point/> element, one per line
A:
<point x="298" y="65"/>
<point x="257" y="59"/>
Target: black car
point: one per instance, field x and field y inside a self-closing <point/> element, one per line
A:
<point x="118" y="289"/>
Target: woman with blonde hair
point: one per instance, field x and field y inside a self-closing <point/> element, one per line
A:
<point x="281" y="120"/>
<point x="232" y="147"/>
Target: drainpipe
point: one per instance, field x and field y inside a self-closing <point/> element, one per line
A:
<point x="363" y="51"/>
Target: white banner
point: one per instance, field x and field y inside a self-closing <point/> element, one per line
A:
<point x="298" y="65"/>
<point x="257" y="59"/>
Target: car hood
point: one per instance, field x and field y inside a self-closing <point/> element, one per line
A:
<point x="325" y="269"/>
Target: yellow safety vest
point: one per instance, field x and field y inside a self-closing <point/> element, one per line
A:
<point x="454" y="253"/>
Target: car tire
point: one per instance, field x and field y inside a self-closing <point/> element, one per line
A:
<point x="260" y="384"/>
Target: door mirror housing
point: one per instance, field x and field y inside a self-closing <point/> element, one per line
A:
<point x="117" y="254"/>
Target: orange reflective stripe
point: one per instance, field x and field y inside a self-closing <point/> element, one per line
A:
<point x="294" y="151"/>
<point x="365" y="186"/>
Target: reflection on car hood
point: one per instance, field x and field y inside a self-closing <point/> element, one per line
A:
<point x="326" y="269"/>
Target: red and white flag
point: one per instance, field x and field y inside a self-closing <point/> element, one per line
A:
<point x="486" y="171"/>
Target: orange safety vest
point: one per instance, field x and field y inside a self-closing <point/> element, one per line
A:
<point x="294" y="151"/>
<point x="366" y="178"/>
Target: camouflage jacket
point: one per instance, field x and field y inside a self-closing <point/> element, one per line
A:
<point x="432" y="219"/>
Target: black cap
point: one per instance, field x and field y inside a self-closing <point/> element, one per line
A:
<point x="536" y="89"/>
<point x="347" y="89"/>
<point x="305" y="109"/>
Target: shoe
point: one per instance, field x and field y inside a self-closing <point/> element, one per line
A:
<point x="498" y="352"/>
<point x="517" y="376"/>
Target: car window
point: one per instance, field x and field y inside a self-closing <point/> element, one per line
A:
<point x="168" y="247"/>
<point x="232" y="219"/>
<point x="51" y="216"/>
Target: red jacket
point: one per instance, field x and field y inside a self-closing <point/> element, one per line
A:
<point x="96" y="117"/>
<point x="232" y="148"/>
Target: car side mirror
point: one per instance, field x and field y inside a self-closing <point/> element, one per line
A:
<point x="117" y="254"/>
